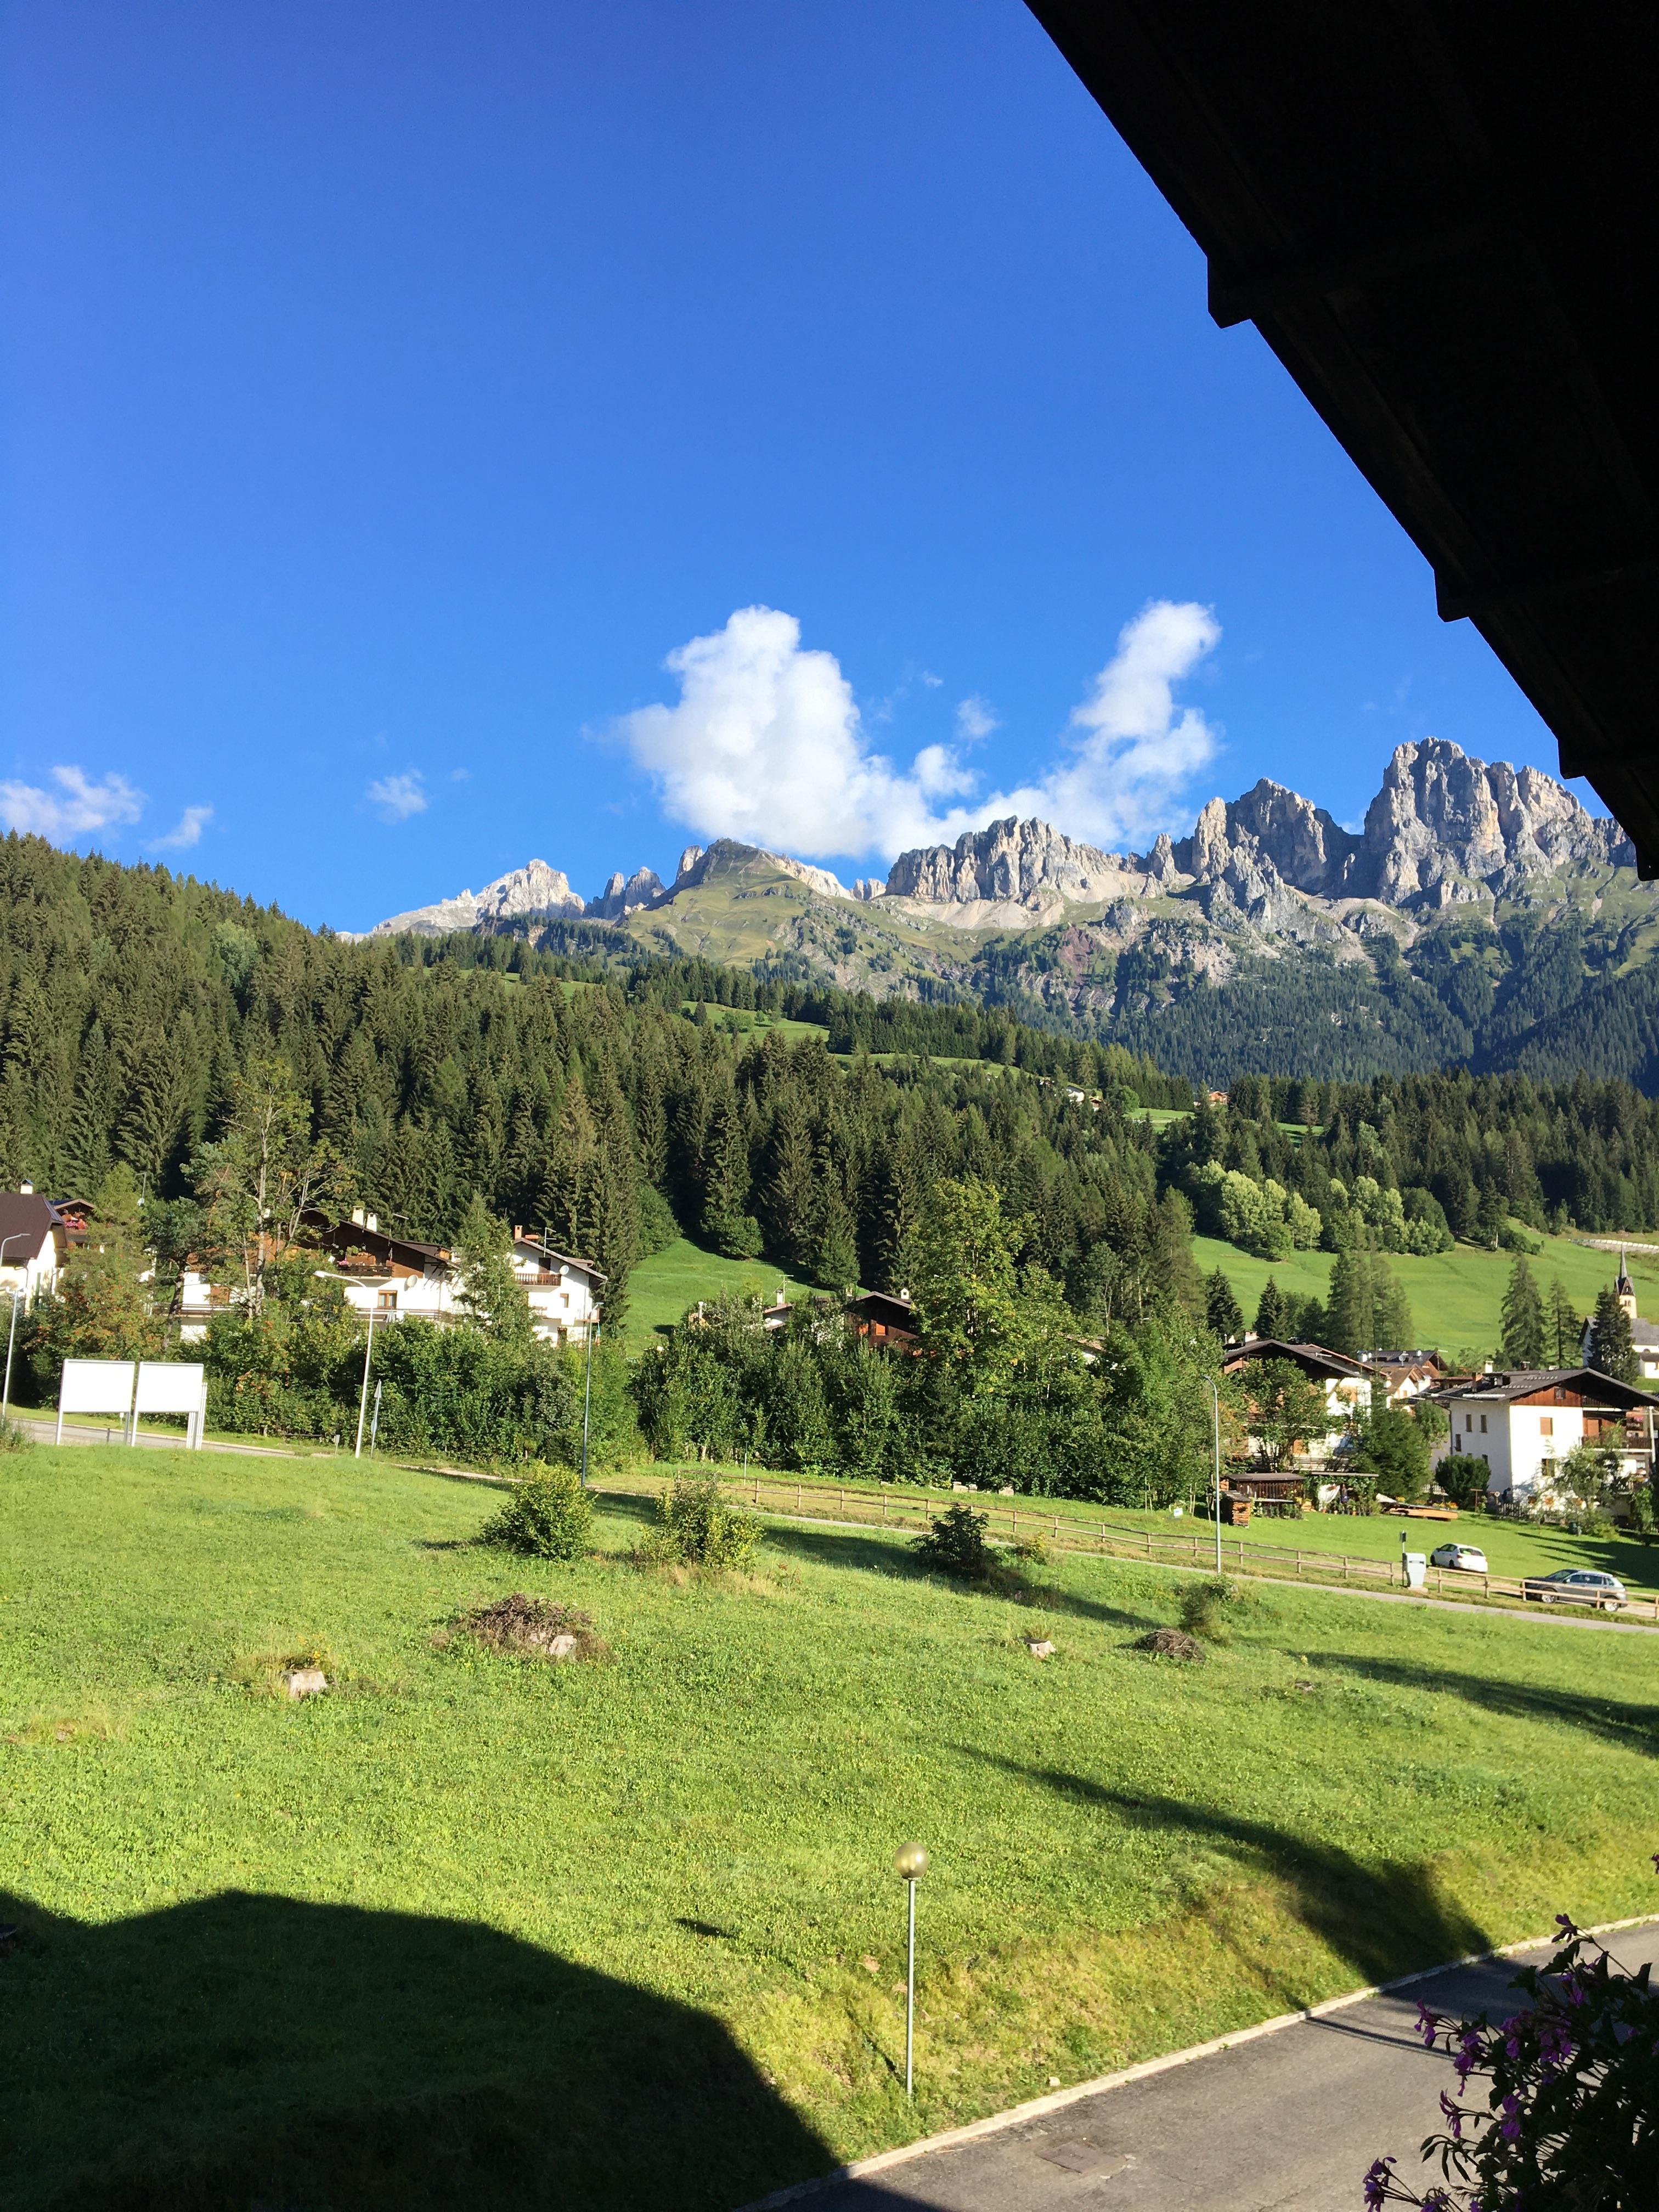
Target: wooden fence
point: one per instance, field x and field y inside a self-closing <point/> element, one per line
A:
<point x="1015" y="1519"/>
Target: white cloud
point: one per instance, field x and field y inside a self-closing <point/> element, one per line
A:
<point x="395" y="798"/>
<point x="186" y="831"/>
<point x="78" y="806"/>
<point x="766" y="745"/>
<point x="975" y="720"/>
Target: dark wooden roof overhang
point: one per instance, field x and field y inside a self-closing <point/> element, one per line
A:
<point x="1445" y="223"/>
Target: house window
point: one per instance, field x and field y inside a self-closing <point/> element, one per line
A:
<point x="1468" y="1420"/>
<point x="1457" y="1443"/>
<point x="1547" y="1424"/>
<point x="1483" y="1425"/>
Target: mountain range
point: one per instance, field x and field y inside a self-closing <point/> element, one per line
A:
<point x="1480" y="916"/>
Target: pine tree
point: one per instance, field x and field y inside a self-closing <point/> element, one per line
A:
<point x="1564" y="1325"/>
<point x="1270" y="1314"/>
<point x="1523" y="1320"/>
<point x="1222" y="1312"/>
<point x="1612" y="1351"/>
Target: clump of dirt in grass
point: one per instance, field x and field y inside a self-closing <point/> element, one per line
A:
<point x="1171" y="1643"/>
<point x="534" y="1628"/>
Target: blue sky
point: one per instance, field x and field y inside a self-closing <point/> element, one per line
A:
<point x="389" y="391"/>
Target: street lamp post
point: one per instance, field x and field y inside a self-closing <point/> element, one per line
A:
<point x="362" y="1400"/>
<point x="11" y="1334"/>
<point x="1215" y="1407"/>
<point x="587" y="1384"/>
<point x="911" y="1861"/>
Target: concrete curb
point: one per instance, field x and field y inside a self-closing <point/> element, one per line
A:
<point x="1036" y="2108"/>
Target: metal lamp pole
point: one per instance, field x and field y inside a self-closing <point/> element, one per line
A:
<point x="911" y="1861"/>
<point x="587" y="1386"/>
<point x="1215" y="1402"/>
<point x="362" y="1401"/>
<point x="17" y="1237"/>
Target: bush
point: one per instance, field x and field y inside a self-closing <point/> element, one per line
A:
<point x="14" y="1437"/>
<point x="1205" y="1606"/>
<point x="1464" y="1477"/>
<point x="954" y="1544"/>
<point x="695" y="1527"/>
<point x="549" y="1516"/>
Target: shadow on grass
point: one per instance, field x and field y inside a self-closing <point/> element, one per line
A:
<point x="893" y="1555"/>
<point x="1633" y="1727"/>
<point x="243" y="2052"/>
<point x="1384" y="1920"/>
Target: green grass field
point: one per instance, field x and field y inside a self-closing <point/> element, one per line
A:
<point x="661" y="1289"/>
<point x="1455" y="1296"/>
<point x="473" y="1930"/>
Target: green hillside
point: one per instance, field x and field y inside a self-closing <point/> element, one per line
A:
<point x="1455" y="1295"/>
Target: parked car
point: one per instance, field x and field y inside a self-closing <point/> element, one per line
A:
<point x="1576" y="1586"/>
<point x="1469" y="1558"/>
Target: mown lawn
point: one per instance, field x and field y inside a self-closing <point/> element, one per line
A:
<point x="1455" y="1296"/>
<point x="473" y="1930"/>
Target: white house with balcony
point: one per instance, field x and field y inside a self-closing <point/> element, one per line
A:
<point x="392" y="1278"/>
<point x="1523" y="1424"/>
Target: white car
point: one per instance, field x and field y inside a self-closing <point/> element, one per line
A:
<point x="1468" y="1559"/>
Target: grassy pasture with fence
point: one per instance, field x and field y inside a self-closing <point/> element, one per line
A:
<point x="475" y="1927"/>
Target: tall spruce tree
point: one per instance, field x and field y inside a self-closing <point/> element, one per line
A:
<point x="1223" y="1314"/>
<point x="1523" y="1320"/>
<point x="1564" y="1325"/>
<point x="1271" y="1319"/>
<point x="1612" y="1350"/>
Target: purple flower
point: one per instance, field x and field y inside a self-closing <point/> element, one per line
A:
<point x="1428" y="2026"/>
<point x="1563" y="1920"/>
<point x="1452" y="2113"/>
<point x="1377" y="2177"/>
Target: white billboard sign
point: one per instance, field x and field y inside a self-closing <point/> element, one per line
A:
<point x="95" y="1386"/>
<point x="173" y="1385"/>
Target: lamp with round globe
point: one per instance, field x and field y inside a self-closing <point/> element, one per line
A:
<point x="911" y="1861"/>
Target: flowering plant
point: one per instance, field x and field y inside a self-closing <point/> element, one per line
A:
<point x="1571" y="2122"/>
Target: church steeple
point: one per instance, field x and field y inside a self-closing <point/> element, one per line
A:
<point x="1624" y="1289"/>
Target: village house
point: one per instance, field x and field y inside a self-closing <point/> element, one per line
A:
<point x="887" y="1322"/>
<point x="392" y="1278"/>
<point x="36" y="1234"/>
<point x="1524" y="1423"/>
<point x="1345" y="1383"/>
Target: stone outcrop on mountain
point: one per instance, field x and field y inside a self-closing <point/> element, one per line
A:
<point x="1009" y="860"/>
<point x="619" y="897"/>
<point x="1445" y="829"/>
<point x="532" y="891"/>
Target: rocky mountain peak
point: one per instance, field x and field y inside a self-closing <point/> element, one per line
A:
<point x="1009" y="860"/>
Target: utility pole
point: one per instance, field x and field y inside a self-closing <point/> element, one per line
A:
<point x="362" y="1401"/>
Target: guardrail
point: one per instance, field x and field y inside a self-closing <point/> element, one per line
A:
<point x="910" y="1510"/>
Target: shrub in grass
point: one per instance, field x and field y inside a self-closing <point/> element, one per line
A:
<point x="695" y="1527"/>
<point x="1209" y="1608"/>
<point x="14" y="1437"/>
<point x="548" y="1516"/>
<point x="953" y="1544"/>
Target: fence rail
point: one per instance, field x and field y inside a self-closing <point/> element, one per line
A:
<point x="1101" y="1538"/>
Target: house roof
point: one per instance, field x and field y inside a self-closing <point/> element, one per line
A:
<point x="1313" y="1358"/>
<point x="564" y="1259"/>
<point x="1523" y="1382"/>
<point x="27" y="1220"/>
<point x="1433" y="216"/>
<point x="883" y="1306"/>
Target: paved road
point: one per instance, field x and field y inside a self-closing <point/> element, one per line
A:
<point x="1286" y="2124"/>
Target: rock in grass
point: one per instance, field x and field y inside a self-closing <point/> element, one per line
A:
<point x="534" y="1627"/>
<point x="1039" y="1647"/>
<point x="1171" y="1643"/>
<point x="304" y="1681"/>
